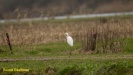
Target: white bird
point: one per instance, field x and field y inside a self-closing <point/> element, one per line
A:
<point x="69" y="40"/>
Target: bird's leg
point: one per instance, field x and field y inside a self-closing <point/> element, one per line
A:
<point x="70" y="51"/>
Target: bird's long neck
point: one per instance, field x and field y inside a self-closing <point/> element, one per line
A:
<point x="67" y="36"/>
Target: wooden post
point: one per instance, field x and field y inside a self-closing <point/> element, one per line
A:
<point x="8" y="42"/>
<point x="94" y="36"/>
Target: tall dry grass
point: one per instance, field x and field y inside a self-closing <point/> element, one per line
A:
<point x="27" y="33"/>
<point x="108" y="35"/>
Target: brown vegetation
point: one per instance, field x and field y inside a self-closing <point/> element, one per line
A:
<point x="44" y="32"/>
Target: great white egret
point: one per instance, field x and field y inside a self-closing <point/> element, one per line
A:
<point x="69" y="40"/>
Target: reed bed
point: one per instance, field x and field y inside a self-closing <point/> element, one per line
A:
<point x="27" y="33"/>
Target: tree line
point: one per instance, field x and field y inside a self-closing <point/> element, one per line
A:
<point x="40" y="8"/>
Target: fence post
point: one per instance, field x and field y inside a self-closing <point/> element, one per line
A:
<point x="8" y="42"/>
<point x="93" y="43"/>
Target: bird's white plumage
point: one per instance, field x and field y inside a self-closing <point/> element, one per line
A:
<point x="69" y="40"/>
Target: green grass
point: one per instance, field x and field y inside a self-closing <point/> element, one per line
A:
<point x="129" y="45"/>
<point x="62" y="67"/>
<point x="119" y="68"/>
<point x="51" y="49"/>
<point x="77" y="64"/>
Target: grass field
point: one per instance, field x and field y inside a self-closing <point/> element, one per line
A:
<point x="75" y="65"/>
<point x="54" y="58"/>
<point x="41" y="47"/>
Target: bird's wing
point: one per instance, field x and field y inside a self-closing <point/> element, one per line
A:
<point x="70" y="41"/>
